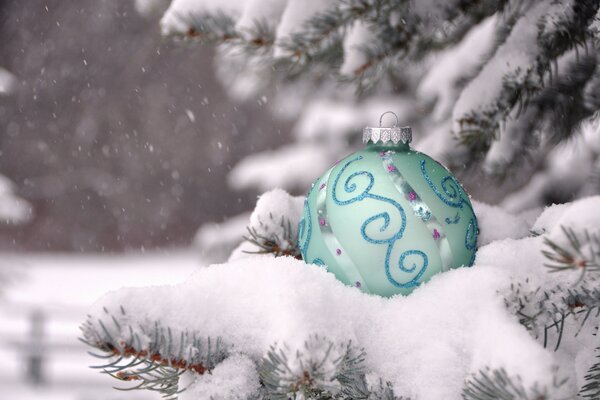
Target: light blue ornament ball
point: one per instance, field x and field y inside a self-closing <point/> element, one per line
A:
<point x="387" y="218"/>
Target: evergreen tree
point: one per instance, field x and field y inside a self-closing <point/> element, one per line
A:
<point x="492" y="86"/>
<point x="495" y="84"/>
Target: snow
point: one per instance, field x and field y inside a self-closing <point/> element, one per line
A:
<point x="149" y="8"/>
<point x="242" y="76"/>
<point x="440" y="144"/>
<point x="524" y="261"/>
<point x="13" y="209"/>
<point x="441" y="82"/>
<point x="341" y="119"/>
<point x="275" y="213"/>
<point x="516" y="55"/>
<point x="63" y="287"/>
<point x="259" y="301"/>
<point x="449" y="328"/>
<point x="275" y="206"/>
<point x="496" y="223"/>
<point x="235" y="378"/>
<point x="291" y="166"/>
<point x="443" y="96"/>
<point x="285" y="17"/>
<point x="582" y="214"/>
<point x="327" y="118"/>
<point x="516" y="132"/>
<point x="217" y="240"/>
<point x="570" y="169"/>
<point x="295" y="15"/>
<point x="322" y="131"/>
<point x="260" y="11"/>
<point x="180" y="13"/>
<point x="8" y="82"/>
<point x="357" y="38"/>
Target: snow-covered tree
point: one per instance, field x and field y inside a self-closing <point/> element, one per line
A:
<point x="492" y="84"/>
<point x="502" y="89"/>
<point x="520" y="324"/>
<point x="493" y="89"/>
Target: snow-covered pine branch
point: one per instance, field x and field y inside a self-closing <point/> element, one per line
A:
<point x="518" y="69"/>
<point x="509" y="79"/>
<point x="498" y="385"/>
<point x="591" y="389"/>
<point x="463" y="329"/>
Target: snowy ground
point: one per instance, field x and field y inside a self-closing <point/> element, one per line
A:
<point x="62" y="287"/>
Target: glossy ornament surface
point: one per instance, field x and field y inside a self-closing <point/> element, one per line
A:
<point x="387" y="218"/>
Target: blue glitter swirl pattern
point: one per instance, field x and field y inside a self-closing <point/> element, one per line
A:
<point x="305" y="227"/>
<point x="320" y="263"/>
<point x="453" y="196"/>
<point x="454" y="220"/>
<point x="382" y="221"/>
<point x="420" y="208"/>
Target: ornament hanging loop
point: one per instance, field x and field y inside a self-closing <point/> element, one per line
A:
<point x="389" y="112"/>
<point x="392" y="134"/>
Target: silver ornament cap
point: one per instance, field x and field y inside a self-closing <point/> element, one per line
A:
<point x="392" y="134"/>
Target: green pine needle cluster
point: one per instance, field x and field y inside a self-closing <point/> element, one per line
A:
<point x="497" y="384"/>
<point x="551" y="313"/>
<point x="153" y="358"/>
<point x="591" y="389"/>
<point x="268" y="242"/>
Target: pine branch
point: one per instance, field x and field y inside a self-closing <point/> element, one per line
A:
<point x="413" y="37"/>
<point x="558" y="32"/>
<point x="317" y="372"/>
<point x="219" y="28"/>
<point x="546" y="312"/>
<point x="591" y="388"/>
<point x="322" y="370"/>
<point x="561" y="104"/>
<point x="582" y="252"/>
<point x="270" y="242"/>
<point x="361" y="390"/>
<point x="153" y="357"/>
<point x="319" y="41"/>
<point x="322" y="32"/>
<point x="496" y="384"/>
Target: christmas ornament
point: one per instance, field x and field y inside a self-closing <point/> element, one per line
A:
<point x="387" y="218"/>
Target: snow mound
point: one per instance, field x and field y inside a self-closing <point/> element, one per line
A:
<point x="275" y="217"/>
<point x="495" y="223"/>
<point x="273" y="207"/>
<point x="216" y="240"/>
<point x="580" y="214"/>
<point x="233" y="379"/>
<point x="450" y="328"/>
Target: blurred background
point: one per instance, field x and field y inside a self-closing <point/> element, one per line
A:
<point x="132" y="151"/>
<point x="115" y="144"/>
